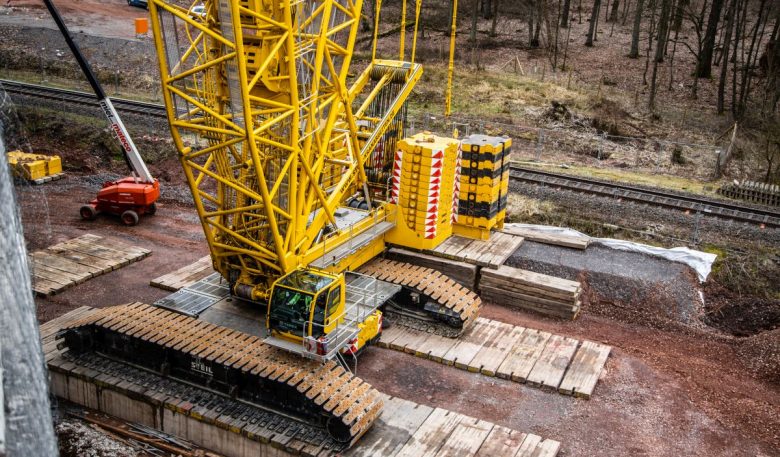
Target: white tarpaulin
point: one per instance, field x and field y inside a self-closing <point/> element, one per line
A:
<point x="698" y="260"/>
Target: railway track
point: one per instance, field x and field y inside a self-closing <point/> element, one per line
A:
<point x="81" y="98"/>
<point x="708" y="207"/>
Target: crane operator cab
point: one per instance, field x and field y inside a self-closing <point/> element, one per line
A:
<point x="308" y="307"/>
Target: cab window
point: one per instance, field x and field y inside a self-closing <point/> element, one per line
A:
<point x="334" y="297"/>
<point x="318" y="323"/>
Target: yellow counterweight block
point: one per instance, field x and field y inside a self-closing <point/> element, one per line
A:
<point x="33" y="166"/>
<point x="484" y="184"/>
<point x="423" y="187"/>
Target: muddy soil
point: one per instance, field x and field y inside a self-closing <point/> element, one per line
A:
<point x="664" y="392"/>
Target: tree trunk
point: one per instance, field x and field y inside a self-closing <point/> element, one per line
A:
<point x="557" y="30"/>
<point x="531" y="12"/>
<point x="613" y="15"/>
<point x="679" y="14"/>
<point x="663" y="26"/>
<point x="634" y="53"/>
<point x="487" y="9"/>
<point x="650" y="36"/>
<point x="495" y="18"/>
<point x="704" y="69"/>
<point x="367" y="20"/>
<point x="624" y="14"/>
<point x="725" y="59"/>
<point x="751" y="58"/>
<point x="540" y="17"/>
<point x="474" y="15"/>
<point x="565" y="13"/>
<point x="593" y="18"/>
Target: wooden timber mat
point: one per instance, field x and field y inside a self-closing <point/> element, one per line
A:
<point x="184" y="276"/>
<point x="523" y="355"/>
<point x="490" y="253"/>
<point x="72" y="262"/>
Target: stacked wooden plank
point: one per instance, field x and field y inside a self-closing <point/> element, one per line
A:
<point x="523" y="355"/>
<point x="185" y="275"/>
<point x="72" y="262"/>
<point x="463" y="273"/>
<point x="557" y="239"/>
<point x="531" y="291"/>
<point x="485" y="253"/>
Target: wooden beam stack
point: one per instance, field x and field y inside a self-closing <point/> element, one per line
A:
<point x="463" y="273"/>
<point x="527" y="290"/>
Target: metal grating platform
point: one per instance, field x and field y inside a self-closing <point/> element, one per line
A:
<point x="351" y="246"/>
<point x="194" y="299"/>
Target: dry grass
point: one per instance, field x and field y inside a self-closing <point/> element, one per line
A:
<point x="633" y="178"/>
<point x="491" y="94"/>
<point x="521" y="208"/>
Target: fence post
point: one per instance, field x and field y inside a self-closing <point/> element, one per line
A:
<point x="696" y="222"/>
<point x="601" y="145"/>
<point x="539" y="144"/>
<point x="660" y="154"/>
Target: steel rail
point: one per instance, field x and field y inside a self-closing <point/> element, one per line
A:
<point x="81" y="98"/>
<point x="693" y="204"/>
<point x="706" y="206"/>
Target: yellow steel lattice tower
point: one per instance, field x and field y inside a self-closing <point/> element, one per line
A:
<point x="260" y="111"/>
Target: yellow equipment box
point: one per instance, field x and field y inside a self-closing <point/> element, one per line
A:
<point x="34" y="167"/>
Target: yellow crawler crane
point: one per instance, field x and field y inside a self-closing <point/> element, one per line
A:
<point x="291" y="165"/>
<point x="299" y="179"/>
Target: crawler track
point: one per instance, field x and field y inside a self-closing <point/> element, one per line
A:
<point x="81" y="98"/>
<point x="451" y="307"/>
<point x="708" y="207"/>
<point x="232" y="363"/>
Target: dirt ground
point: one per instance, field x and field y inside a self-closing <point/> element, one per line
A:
<point x="664" y="392"/>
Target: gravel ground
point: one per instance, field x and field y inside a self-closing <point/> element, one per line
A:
<point x="77" y="439"/>
<point x="632" y="286"/>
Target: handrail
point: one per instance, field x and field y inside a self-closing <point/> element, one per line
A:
<point x="334" y="341"/>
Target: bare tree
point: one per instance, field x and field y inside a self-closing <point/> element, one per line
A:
<point x="663" y="26"/>
<point x="730" y="12"/>
<point x="495" y="18"/>
<point x="752" y="56"/>
<point x="613" y="15"/>
<point x="679" y="12"/>
<point x="704" y="67"/>
<point x="634" y="53"/>
<point x="593" y="18"/>
<point x="474" y="17"/>
<point x="565" y="13"/>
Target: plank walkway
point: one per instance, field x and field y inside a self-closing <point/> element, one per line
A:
<point x="405" y="428"/>
<point x="486" y="253"/>
<point x="523" y="355"/>
<point x="184" y="276"/>
<point x="72" y="262"/>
